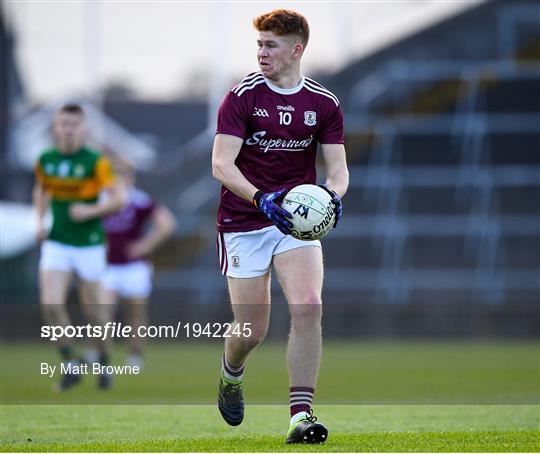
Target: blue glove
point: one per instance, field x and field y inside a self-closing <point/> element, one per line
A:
<point x="338" y="205"/>
<point x="267" y="204"/>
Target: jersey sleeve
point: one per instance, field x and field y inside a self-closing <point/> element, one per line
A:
<point x="232" y="116"/>
<point x="104" y="173"/>
<point x="332" y="133"/>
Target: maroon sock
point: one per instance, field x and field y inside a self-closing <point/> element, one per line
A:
<point x="231" y="371"/>
<point x="301" y="398"/>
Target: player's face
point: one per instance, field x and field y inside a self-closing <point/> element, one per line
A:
<point x="276" y="54"/>
<point x="69" y="131"/>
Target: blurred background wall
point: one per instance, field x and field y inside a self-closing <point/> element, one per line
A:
<point x="441" y="233"/>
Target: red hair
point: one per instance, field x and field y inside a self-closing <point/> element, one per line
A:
<point x="283" y="22"/>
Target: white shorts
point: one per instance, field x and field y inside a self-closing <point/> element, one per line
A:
<point x="130" y="280"/>
<point x="88" y="262"/>
<point x="249" y="254"/>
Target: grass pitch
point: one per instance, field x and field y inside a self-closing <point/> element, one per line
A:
<point x="364" y="396"/>
<point x="200" y="428"/>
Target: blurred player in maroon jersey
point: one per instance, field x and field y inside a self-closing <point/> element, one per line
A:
<point x="268" y="129"/>
<point x="133" y="233"/>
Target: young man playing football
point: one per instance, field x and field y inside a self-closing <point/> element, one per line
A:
<point x="268" y="129"/>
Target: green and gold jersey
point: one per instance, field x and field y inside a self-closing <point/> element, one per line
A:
<point x="69" y="178"/>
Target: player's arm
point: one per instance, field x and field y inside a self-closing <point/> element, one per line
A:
<point x="224" y="154"/>
<point x="163" y="225"/>
<point x="224" y="169"/>
<point x="337" y="175"/>
<point x="115" y="198"/>
<point x="114" y="191"/>
<point x="41" y="200"/>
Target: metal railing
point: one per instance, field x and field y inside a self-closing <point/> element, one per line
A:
<point x="472" y="180"/>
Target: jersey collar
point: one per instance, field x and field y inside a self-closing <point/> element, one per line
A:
<point x="285" y="91"/>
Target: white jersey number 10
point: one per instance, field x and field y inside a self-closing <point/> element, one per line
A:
<point x="285" y="118"/>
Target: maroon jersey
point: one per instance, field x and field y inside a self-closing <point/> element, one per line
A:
<point x="127" y="225"/>
<point x="280" y="129"/>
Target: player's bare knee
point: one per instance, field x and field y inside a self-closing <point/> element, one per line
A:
<point x="252" y="333"/>
<point x="307" y="312"/>
<point x="256" y="337"/>
<point x="50" y="297"/>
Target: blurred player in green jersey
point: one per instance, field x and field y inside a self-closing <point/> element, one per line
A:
<point x="69" y="179"/>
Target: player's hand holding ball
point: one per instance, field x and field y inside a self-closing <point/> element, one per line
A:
<point x="267" y="204"/>
<point x="336" y="199"/>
